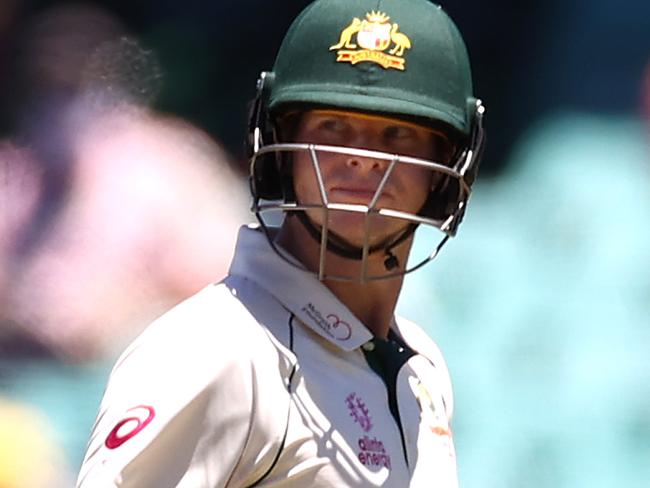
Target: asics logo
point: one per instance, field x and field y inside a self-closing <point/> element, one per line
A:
<point x="128" y="427"/>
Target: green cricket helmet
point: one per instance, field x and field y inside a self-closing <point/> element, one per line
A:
<point x="399" y="58"/>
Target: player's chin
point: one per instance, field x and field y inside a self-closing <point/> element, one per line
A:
<point x="354" y="229"/>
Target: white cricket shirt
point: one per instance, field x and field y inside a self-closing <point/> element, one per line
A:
<point x="268" y="380"/>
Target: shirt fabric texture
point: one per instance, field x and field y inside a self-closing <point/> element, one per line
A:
<point x="267" y="379"/>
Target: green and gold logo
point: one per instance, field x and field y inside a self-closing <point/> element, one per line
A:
<point x="368" y="39"/>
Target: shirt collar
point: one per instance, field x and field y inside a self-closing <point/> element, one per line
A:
<point x="297" y="289"/>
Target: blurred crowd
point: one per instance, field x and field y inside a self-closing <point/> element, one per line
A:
<point x="112" y="210"/>
<point x="110" y="213"/>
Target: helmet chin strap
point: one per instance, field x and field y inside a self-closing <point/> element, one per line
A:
<point x="348" y="251"/>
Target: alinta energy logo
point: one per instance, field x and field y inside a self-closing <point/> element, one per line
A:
<point x="359" y="412"/>
<point x="368" y="40"/>
<point x="372" y="452"/>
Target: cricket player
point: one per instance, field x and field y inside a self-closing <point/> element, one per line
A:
<point x="294" y="371"/>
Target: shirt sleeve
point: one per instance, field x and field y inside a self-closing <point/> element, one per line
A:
<point x="422" y="343"/>
<point x="179" y="406"/>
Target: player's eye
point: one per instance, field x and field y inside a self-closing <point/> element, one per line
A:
<point x="333" y="125"/>
<point x="399" y="133"/>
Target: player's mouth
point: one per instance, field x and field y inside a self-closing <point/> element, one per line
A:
<point x="365" y="194"/>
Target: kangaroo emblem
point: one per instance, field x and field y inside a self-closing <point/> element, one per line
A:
<point x="401" y="41"/>
<point x="346" y="35"/>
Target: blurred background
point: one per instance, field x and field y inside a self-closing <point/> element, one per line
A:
<point x="122" y="184"/>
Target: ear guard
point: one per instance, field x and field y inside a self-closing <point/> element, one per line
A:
<point x="266" y="178"/>
<point x="448" y="199"/>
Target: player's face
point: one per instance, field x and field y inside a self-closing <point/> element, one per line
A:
<point x="352" y="179"/>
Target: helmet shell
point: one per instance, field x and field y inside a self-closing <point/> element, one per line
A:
<point x="404" y="58"/>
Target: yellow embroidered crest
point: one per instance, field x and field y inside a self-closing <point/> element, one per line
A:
<point x="367" y="39"/>
<point x="431" y="415"/>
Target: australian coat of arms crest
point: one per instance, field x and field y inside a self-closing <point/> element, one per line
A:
<point x="368" y="40"/>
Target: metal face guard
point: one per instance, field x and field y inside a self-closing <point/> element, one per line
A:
<point x="460" y="175"/>
<point x="262" y="208"/>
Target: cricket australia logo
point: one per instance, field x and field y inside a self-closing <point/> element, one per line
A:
<point x="368" y="39"/>
<point x="434" y="417"/>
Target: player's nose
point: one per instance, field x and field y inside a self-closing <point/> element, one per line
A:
<point x="364" y="164"/>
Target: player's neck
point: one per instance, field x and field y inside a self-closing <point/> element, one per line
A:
<point x="372" y="302"/>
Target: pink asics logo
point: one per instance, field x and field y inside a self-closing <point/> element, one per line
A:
<point x="130" y="426"/>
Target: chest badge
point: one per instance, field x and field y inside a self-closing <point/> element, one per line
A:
<point x="371" y="450"/>
<point x="368" y="40"/>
